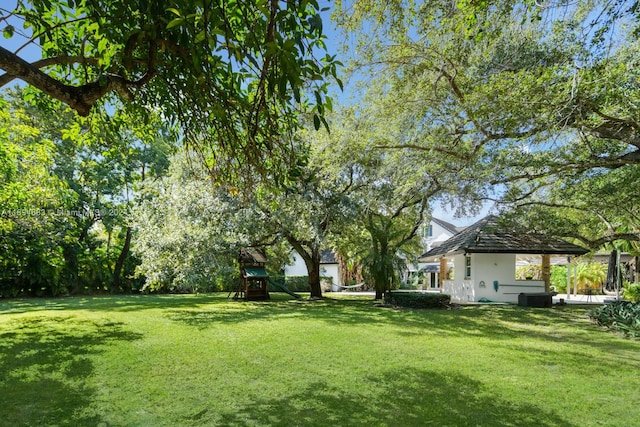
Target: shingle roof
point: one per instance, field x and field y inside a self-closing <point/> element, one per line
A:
<point x="327" y="257"/>
<point x="446" y="225"/>
<point x="252" y="256"/>
<point x="487" y="236"/>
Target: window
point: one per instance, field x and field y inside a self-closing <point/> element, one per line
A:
<point x="467" y="266"/>
<point x="427" y="231"/>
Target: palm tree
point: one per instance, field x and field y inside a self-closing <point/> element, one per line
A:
<point x="591" y="275"/>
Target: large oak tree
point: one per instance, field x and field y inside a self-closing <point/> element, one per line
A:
<point x="530" y="93"/>
<point x="234" y="74"/>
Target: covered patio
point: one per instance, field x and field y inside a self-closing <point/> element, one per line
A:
<point x="484" y="256"/>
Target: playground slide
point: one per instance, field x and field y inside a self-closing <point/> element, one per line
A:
<point x="283" y="288"/>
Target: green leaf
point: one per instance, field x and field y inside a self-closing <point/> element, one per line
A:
<point x="8" y="31"/>
<point x="175" y="22"/>
<point x="315" y="22"/>
<point x="200" y="37"/>
<point x="316" y="121"/>
<point x="326" y="125"/>
<point x="102" y="45"/>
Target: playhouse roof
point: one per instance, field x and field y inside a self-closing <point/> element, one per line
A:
<point x="488" y="236"/>
<point x="252" y="255"/>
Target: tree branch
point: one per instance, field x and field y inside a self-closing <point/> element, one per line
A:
<point x="80" y="98"/>
<point x="619" y="130"/>
<point x="594" y="244"/>
<point x="46" y="62"/>
<point x="455" y="154"/>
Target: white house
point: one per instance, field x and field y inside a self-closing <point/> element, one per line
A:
<point x="484" y="261"/>
<point x="328" y="267"/>
<point x="433" y="234"/>
<point x="437" y="232"/>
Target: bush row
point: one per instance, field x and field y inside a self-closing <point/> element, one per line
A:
<point x="301" y="283"/>
<point x="417" y="299"/>
<point x="621" y="316"/>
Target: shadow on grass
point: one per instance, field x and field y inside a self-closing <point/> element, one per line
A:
<point x="120" y="303"/>
<point x="397" y="398"/>
<point x="555" y="325"/>
<point x="500" y="322"/>
<point x="506" y="324"/>
<point x="44" y="364"/>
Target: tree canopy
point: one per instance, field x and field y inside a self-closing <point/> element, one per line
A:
<point x="531" y="106"/>
<point x="528" y="94"/>
<point x="234" y="74"/>
<point x="66" y="185"/>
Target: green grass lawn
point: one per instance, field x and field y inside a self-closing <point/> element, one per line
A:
<point x="205" y="360"/>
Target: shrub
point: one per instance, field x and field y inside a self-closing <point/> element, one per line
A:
<point x="559" y="278"/>
<point x="632" y="292"/>
<point x="301" y="283"/>
<point x="621" y="316"/>
<point x="417" y="299"/>
<point x="297" y="283"/>
<point x="591" y="275"/>
<point x="531" y="271"/>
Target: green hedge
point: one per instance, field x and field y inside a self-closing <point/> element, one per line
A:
<point x="299" y="283"/>
<point x="418" y="299"/>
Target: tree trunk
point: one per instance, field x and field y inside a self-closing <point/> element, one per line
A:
<point x="311" y="259"/>
<point x="379" y="293"/>
<point x="117" y="269"/>
<point x="314" y="279"/>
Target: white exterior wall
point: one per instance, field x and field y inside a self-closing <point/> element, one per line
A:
<point x="460" y="291"/>
<point x="331" y="270"/>
<point x="488" y="268"/>
<point x="460" y="288"/>
<point x="299" y="268"/>
<point x="438" y="235"/>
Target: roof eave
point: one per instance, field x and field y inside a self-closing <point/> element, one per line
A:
<point x="527" y="251"/>
<point x="434" y="255"/>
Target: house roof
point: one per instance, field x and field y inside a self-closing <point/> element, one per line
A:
<point x="327" y="257"/>
<point x="488" y="236"/>
<point x="447" y="225"/>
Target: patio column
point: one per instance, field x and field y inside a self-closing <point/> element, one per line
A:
<point x="443" y="272"/>
<point x="568" y="277"/>
<point x="618" y="276"/>
<point x="575" y="280"/>
<point x="546" y="272"/>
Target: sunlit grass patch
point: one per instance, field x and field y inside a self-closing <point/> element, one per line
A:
<point x="209" y="360"/>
